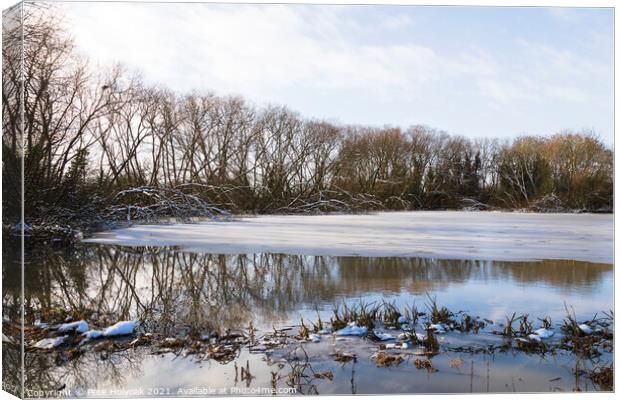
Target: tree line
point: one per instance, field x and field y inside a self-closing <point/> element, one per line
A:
<point x="94" y="140"/>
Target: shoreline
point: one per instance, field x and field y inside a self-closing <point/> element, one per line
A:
<point x="69" y="234"/>
<point x="373" y="336"/>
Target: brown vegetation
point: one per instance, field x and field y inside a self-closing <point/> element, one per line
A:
<point x="91" y="139"/>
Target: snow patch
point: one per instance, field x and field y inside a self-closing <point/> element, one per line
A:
<point x="78" y="326"/>
<point x="92" y="334"/>
<point x="438" y="328"/>
<point x="314" y="338"/>
<point x="383" y="336"/>
<point x="352" y="330"/>
<point x="585" y="329"/>
<point x="534" y="338"/>
<point x="50" y="343"/>
<point x="118" y="329"/>
<point x="544" y="333"/>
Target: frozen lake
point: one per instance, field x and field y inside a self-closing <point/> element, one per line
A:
<point x="504" y="236"/>
<point x="261" y="274"/>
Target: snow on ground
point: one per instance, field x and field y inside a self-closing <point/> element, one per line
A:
<point x="50" y="343"/>
<point x="118" y="329"/>
<point x="436" y="234"/>
<point x="79" y="326"/>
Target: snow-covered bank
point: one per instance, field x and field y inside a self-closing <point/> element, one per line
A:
<point x="442" y="234"/>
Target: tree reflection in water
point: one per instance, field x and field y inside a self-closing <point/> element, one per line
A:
<point x="171" y="291"/>
<point x="172" y="288"/>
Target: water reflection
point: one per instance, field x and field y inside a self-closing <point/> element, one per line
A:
<point x="197" y="290"/>
<point x="177" y="291"/>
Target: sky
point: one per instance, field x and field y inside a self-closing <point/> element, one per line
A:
<point x="472" y="71"/>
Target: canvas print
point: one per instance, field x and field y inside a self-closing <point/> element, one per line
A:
<point x="225" y="199"/>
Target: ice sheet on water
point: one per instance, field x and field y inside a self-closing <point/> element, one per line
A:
<point x="502" y="236"/>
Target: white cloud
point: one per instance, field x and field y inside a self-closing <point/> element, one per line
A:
<point x="396" y="22"/>
<point x="562" y="61"/>
<point x="565" y="14"/>
<point x="254" y="48"/>
<point x="327" y="61"/>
